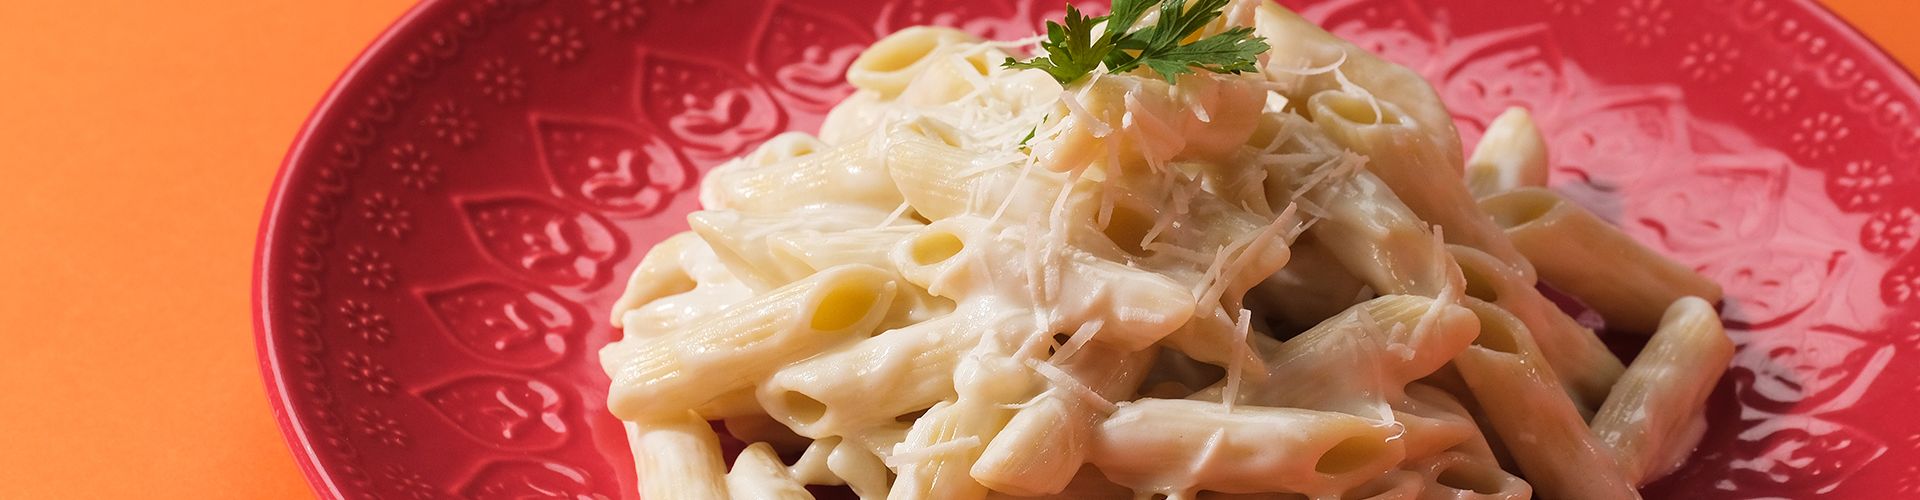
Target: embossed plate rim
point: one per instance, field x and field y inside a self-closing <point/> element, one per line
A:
<point x="1855" y="36"/>
<point x="266" y="346"/>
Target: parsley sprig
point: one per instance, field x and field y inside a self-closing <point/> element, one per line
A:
<point x="1073" y="51"/>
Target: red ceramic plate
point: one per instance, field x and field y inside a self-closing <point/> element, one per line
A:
<point x="447" y="234"/>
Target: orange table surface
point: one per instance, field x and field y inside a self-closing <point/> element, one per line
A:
<point x="137" y="142"/>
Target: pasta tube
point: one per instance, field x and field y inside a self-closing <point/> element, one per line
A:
<point x="734" y="350"/>
<point x="834" y="393"/>
<point x="1298" y="43"/>
<point x="1459" y="476"/>
<point x="1159" y="445"/>
<point x="1436" y="422"/>
<point x="678" y="456"/>
<point x="863" y="471"/>
<point x="816" y="251"/>
<point x="1087" y="484"/>
<point x="958" y="258"/>
<point x="940" y="450"/>
<point x="783" y="147"/>
<point x="1365" y="226"/>
<point x="681" y="265"/>
<point x="1407" y="161"/>
<point x="742" y="241"/>
<point x="895" y="61"/>
<point x="1511" y="155"/>
<point x="938" y="178"/>
<point x="1628" y="284"/>
<point x="1525" y="405"/>
<point x="952" y="75"/>
<point x="1327" y="352"/>
<point x="758" y="473"/>
<point x="1584" y="365"/>
<point x="1046" y="441"/>
<point x="1657" y="412"/>
<point x="1309" y="289"/>
<point x="853" y="119"/>
<point x="1394" y="485"/>
<point x="856" y="176"/>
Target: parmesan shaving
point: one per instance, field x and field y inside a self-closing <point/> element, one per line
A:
<point x="898" y="212"/>
<point x="1183" y="254"/>
<point x="1036" y="399"/>
<point x="1449" y="295"/>
<point x="927" y="453"/>
<point x="1078" y="112"/>
<point x="959" y="64"/>
<point x="1241" y="326"/>
<point x="1275" y="103"/>
<point x="1025" y="170"/>
<point x="1149" y="131"/>
<point x="1313" y="70"/>
<point x="1079" y="339"/>
<point x="1062" y="379"/>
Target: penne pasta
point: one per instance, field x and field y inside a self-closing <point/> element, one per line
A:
<point x="1511" y="155"/>
<point x="1087" y="484"/>
<point x="1657" y="412"/>
<point x="1155" y="445"/>
<point x="1334" y="354"/>
<point x="1524" y="403"/>
<point x="952" y="258"/>
<point x="1045" y="443"/>
<point x="1394" y="485"/>
<point x="1415" y="168"/>
<point x="952" y="74"/>
<point x="1628" y="284"/>
<point x="853" y="119"/>
<point x="816" y="250"/>
<point x="833" y="394"/>
<point x="863" y="471"/>
<point x="1298" y="44"/>
<point x="1458" y="476"/>
<point x="892" y="63"/>
<point x="779" y="149"/>
<point x="1584" y="365"/>
<point x="1437" y="422"/>
<point x="678" y="457"/>
<point x="1090" y="127"/>
<point x="938" y="178"/>
<point x="1311" y="288"/>
<point x="852" y="171"/>
<point x="758" y="473"/>
<point x="1358" y="218"/>
<point x="743" y="242"/>
<point x="682" y="277"/>
<point x="1194" y="250"/>
<point x="732" y="351"/>
<point x="942" y="447"/>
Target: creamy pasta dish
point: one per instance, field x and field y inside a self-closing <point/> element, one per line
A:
<point x="1190" y="249"/>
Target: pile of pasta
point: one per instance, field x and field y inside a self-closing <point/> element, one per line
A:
<point x="977" y="282"/>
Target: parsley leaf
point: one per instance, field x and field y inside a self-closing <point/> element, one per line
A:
<point x="1231" y="52"/>
<point x="1126" y="13"/>
<point x="1074" y="52"/>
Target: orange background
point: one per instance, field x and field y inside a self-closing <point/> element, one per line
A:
<point x="137" y="142"/>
